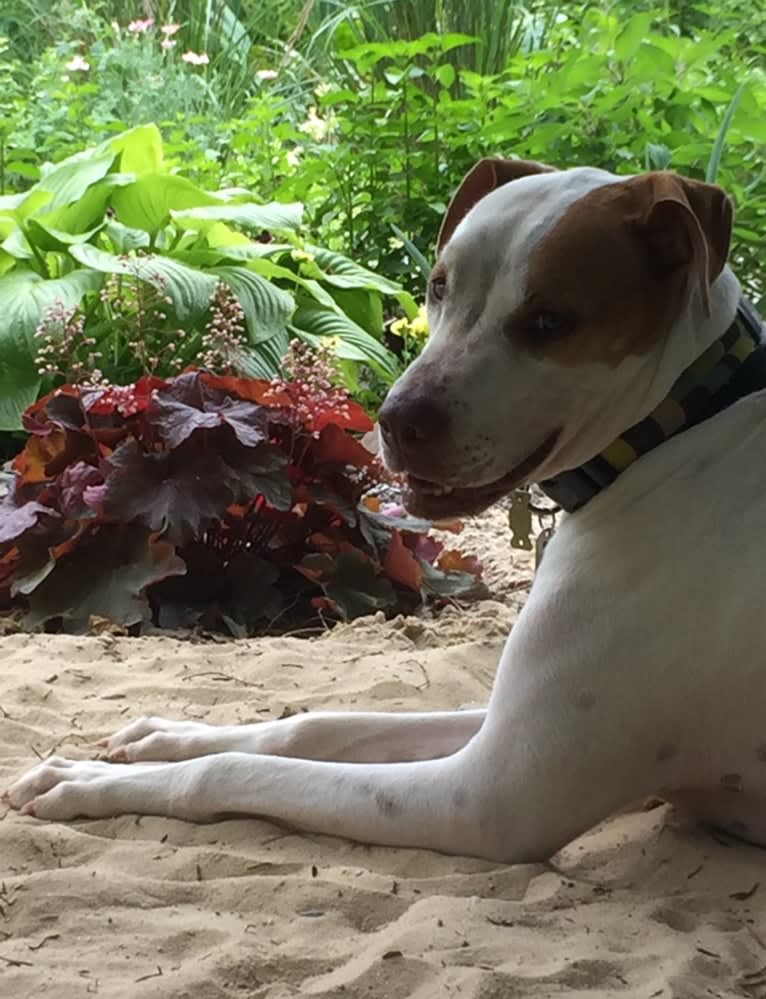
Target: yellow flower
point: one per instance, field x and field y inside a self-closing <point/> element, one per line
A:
<point x="419" y="325"/>
<point x="399" y="327"/>
<point x="302" y="255"/>
<point x="416" y="328"/>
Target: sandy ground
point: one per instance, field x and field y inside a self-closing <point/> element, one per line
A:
<point x="646" y="906"/>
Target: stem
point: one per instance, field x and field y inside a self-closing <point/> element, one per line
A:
<point x="407" y="147"/>
<point x="38" y="256"/>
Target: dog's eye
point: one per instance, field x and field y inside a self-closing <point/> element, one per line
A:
<point x="550" y="324"/>
<point x="437" y="286"/>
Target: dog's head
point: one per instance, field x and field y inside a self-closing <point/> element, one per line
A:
<point x="562" y="307"/>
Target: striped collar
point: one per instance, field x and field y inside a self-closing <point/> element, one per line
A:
<point x="732" y="367"/>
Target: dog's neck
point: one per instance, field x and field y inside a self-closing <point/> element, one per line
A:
<point x="706" y="365"/>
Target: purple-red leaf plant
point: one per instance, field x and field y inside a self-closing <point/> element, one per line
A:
<point x="210" y="501"/>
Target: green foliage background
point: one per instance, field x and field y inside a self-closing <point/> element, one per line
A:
<point x="368" y="114"/>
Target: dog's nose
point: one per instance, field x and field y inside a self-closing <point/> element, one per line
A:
<point x="408" y="425"/>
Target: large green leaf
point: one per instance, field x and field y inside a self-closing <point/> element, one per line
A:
<point x="87" y="212"/>
<point x="250" y="216"/>
<point x="267" y="308"/>
<point x="265" y="360"/>
<point x="139" y="149"/>
<point x="344" y="273"/>
<point x="19" y="386"/>
<point x="46" y="237"/>
<point x="189" y="289"/>
<point x="24" y="298"/>
<point x="148" y="202"/>
<point x="21" y="206"/>
<point x="70" y="179"/>
<point x="326" y="322"/>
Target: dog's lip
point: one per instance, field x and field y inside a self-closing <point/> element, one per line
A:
<point x="432" y="499"/>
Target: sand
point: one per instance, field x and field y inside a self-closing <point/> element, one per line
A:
<point x="648" y="905"/>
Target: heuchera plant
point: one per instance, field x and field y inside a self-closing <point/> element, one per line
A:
<point x="209" y="500"/>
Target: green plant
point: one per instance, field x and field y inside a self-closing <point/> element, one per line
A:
<point x="128" y="256"/>
<point x="204" y="500"/>
<point x="501" y="30"/>
<point x="626" y="93"/>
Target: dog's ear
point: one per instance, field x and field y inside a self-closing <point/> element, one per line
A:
<point x="482" y="178"/>
<point x="687" y="224"/>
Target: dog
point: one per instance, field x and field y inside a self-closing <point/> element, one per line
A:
<point x="587" y="335"/>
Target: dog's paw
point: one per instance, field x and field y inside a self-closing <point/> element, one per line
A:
<point x="157" y="739"/>
<point x="65" y="789"/>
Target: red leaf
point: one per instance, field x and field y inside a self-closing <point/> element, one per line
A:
<point x="15" y="521"/>
<point x="33" y="464"/>
<point x="74" y="484"/>
<point x="401" y="565"/>
<point x="455" y="561"/>
<point x="425" y="546"/>
<point x="335" y="446"/>
<point x="350" y="417"/>
<point x="323" y="604"/>
<point x="127" y="400"/>
<point x="251" y="389"/>
<point x="35" y="418"/>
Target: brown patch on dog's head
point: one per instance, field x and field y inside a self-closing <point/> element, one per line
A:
<point x="481" y="180"/>
<point x="614" y="273"/>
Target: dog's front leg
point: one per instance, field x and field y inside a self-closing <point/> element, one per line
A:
<point x="422" y="804"/>
<point x="351" y="737"/>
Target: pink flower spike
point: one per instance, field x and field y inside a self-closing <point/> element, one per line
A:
<point x="141" y="27"/>
<point x="170" y="29"/>
<point x="168" y="43"/>
<point x="77" y="65"/>
<point x="196" y="58"/>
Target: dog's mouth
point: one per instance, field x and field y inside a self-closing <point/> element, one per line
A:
<point x="437" y="501"/>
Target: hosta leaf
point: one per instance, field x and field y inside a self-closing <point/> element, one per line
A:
<point x="46" y="237"/>
<point x="265" y="360"/>
<point x="267" y="307"/>
<point x="125" y="239"/>
<point x="274" y="215"/>
<point x="19" y="386"/>
<point x="104" y="579"/>
<point x="325" y="322"/>
<point x="189" y="289"/>
<point x="25" y="296"/>
<point x="87" y="213"/>
<point x="69" y="180"/>
<point x="139" y="149"/>
<point x="344" y="273"/>
<point x="148" y="202"/>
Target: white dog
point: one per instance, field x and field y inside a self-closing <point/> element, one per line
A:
<point x="581" y="321"/>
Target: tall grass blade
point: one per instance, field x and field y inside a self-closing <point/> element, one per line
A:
<point x="715" y="157"/>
